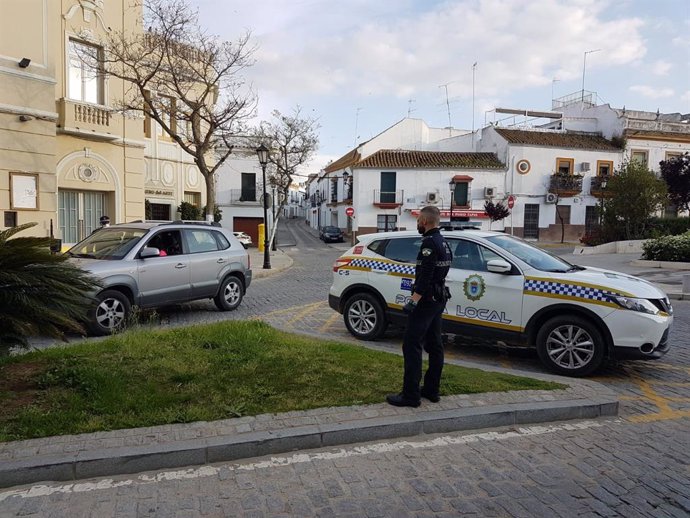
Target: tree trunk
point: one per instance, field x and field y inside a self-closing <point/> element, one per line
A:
<point x="210" y="197"/>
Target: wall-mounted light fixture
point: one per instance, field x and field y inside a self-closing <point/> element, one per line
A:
<point x="24" y="63"/>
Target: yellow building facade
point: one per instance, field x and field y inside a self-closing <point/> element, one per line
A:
<point x="66" y="156"/>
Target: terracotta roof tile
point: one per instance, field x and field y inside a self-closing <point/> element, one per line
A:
<point x="352" y="157"/>
<point x="401" y="159"/>
<point x="553" y="139"/>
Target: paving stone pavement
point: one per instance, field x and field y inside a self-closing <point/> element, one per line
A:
<point x="635" y="465"/>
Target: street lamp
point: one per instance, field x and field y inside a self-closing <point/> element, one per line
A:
<point x="262" y="152"/>
<point x="452" y="195"/>
<point x="318" y="209"/>
<point x="602" y="185"/>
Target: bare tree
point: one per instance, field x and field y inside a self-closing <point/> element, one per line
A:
<point x="293" y="141"/>
<point x="186" y="80"/>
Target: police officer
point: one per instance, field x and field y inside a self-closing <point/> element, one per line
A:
<point x="424" y="309"/>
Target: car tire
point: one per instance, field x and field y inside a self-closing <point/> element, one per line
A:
<point x="571" y="345"/>
<point x="229" y="294"/>
<point x="364" y="317"/>
<point x="110" y="313"/>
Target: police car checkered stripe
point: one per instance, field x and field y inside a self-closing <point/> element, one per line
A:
<point x="373" y="264"/>
<point x="567" y="290"/>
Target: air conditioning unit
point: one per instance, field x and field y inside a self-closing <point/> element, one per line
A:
<point x="489" y="192"/>
<point x="585" y="166"/>
<point x="551" y="197"/>
<point x="432" y="197"/>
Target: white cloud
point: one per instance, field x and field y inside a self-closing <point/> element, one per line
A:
<point x="661" y="68"/>
<point x="517" y="45"/>
<point x="652" y="92"/>
<point x="686" y="96"/>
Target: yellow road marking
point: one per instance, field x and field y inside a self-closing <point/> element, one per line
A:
<point x="662" y="403"/>
<point x="291" y="309"/>
<point x="310" y="308"/>
<point x="331" y="320"/>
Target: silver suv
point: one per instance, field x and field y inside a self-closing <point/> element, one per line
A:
<point x="156" y="264"/>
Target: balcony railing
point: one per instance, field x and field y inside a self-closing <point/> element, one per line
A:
<point x="80" y="117"/>
<point x="566" y="185"/>
<point x="244" y="196"/>
<point x="388" y="198"/>
<point x="596" y="188"/>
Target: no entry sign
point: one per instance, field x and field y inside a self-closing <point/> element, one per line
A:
<point x="350" y="211"/>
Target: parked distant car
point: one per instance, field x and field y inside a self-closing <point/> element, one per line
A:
<point x="243" y="238"/>
<point x="155" y="264"/>
<point x="331" y="234"/>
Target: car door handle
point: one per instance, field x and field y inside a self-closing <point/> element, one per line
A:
<point x="221" y="260"/>
<point x="180" y="265"/>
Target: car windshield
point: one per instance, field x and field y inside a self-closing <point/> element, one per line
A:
<point x="535" y="257"/>
<point x="107" y="243"/>
<point x="332" y="229"/>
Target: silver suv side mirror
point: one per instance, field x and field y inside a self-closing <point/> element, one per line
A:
<point x="149" y="251"/>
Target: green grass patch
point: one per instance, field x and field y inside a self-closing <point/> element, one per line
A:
<point x="202" y="373"/>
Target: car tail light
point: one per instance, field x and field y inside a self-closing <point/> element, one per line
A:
<point x="339" y="263"/>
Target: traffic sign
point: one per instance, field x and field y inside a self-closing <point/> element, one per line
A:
<point x="511" y="202"/>
<point x="350" y="211"/>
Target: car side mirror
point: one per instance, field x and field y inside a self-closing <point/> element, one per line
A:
<point x="499" y="266"/>
<point x="149" y="251"/>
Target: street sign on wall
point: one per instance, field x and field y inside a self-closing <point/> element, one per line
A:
<point x="511" y="202"/>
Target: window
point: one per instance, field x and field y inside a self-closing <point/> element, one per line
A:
<point x="201" y="241"/>
<point x="160" y="211"/>
<point x="334" y="190"/>
<point x="193" y="198"/>
<point x="248" y="187"/>
<point x="565" y="166"/>
<point x="166" y="108"/>
<point x="84" y="80"/>
<point x="591" y="218"/>
<point x="168" y="241"/>
<point x="639" y="156"/>
<point x="604" y="168"/>
<point x="223" y="243"/>
<point x="672" y="154"/>
<point x="563" y="211"/>
<point x="387" y="187"/>
<point x="471" y="256"/>
<point x="461" y="194"/>
<point x="386" y="223"/>
<point x="403" y="250"/>
<point x="531" y="221"/>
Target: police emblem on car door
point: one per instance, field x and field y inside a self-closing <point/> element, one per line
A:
<point x="481" y="299"/>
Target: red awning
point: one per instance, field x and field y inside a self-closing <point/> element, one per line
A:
<point x="459" y="178"/>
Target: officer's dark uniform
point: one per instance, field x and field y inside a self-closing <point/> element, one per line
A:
<point x="424" y="323"/>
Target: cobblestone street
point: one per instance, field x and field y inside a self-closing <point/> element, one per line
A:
<point x="634" y="465"/>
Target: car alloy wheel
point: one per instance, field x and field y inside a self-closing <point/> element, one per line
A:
<point x="110" y="313"/>
<point x="571" y="345"/>
<point x="364" y="317"/>
<point x="230" y="294"/>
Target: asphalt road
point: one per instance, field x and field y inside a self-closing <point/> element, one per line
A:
<point x="636" y="465"/>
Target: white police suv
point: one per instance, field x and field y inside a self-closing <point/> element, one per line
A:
<point x="505" y="290"/>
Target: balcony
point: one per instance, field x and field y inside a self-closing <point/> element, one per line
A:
<point x="245" y="196"/>
<point x="595" y="187"/>
<point x="86" y="119"/>
<point x="388" y="199"/>
<point x="566" y="185"/>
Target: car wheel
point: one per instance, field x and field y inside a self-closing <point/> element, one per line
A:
<point x="230" y="294"/>
<point x="110" y="314"/>
<point x="571" y="345"/>
<point x="364" y="317"/>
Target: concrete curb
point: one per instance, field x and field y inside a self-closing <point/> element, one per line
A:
<point x="127" y="460"/>
<point x="669" y="265"/>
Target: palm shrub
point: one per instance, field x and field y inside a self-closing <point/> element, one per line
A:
<point x="40" y="293"/>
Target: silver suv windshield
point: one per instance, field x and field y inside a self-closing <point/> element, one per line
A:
<point x="108" y="243"/>
<point x="535" y="257"/>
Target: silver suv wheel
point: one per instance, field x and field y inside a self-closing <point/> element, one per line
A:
<point x="230" y="294"/>
<point x="110" y="313"/>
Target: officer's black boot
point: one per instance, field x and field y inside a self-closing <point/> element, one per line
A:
<point x="402" y="400"/>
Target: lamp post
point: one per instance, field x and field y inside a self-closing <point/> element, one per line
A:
<point x="452" y="195"/>
<point x="262" y="152"/>
<point x="602" y="185"/>
<point x="318" y="210"/>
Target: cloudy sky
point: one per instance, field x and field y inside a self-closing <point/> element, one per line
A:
<point x="359" y="66"/>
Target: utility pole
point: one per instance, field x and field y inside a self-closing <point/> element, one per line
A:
<point x="474" y="67"/>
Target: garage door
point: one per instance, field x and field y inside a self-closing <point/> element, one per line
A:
<point x="249" y="226"/>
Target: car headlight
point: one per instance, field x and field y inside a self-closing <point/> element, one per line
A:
<point x="641" y="305"/>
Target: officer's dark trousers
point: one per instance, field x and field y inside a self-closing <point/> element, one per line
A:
<point x="423" y="328"/>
